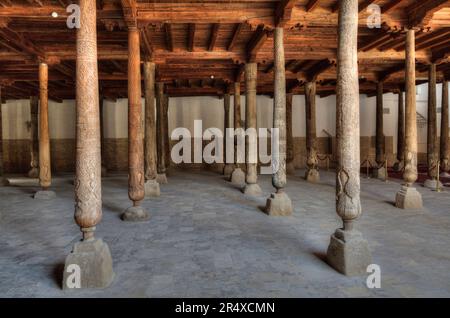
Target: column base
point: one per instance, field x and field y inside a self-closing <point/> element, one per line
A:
<point x="228" y="170"/>
<point x="279" y="204"/>
<point x="33" y="173"/>
<point x="135" y="214"/>
<point x="161" y="178"/>
<point x="95" y="264"/>
<point x="312" y="175"/>
<point x="238" y="177"/>
<point x="408" y="198"/>
<point x="4" y="182"/>
<point x="379" y="173"/>
<point x="152" y="188"/>
<point x="432" y="184"/>
<point x="290" y="168"/>
<point x="398" y="166"/>
<point x="44" y="195"/>
<point x="252" y="189"/>
<point x="348" y="253"/>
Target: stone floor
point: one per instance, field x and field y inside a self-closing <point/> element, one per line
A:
<point x="206" y="239"/>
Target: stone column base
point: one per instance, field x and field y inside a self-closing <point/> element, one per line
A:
<point x="398" y="166"/>
<point x="380" y="173"/>
<point x="228" y="170"/>
<point x="152" y="188"/>
<point x="279" y="204"/>
<point x="432" y="184"/>
<point x="252" y="189"/>
<point x="312" y="175"/>
<point x="4" y="182"/>
<point x="408" y="198"/>
<point x="238" y="177"/>
<point x="161" y="178"/>
<point x="290" y="168"/>
<point x="33" y="173"/>
<point x="44" y="195"/>
<point x="93" y="259"/>
<point x="135" y="214"/>
<point x="348" y="253"/>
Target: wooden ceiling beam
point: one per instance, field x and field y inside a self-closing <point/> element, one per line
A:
<point x="213" y="37"/>
<point x="283" y="12"/>
<point x="390" y="6"/>
<point x="420" y="12"/>
<point x="191" y="38"/>
<point x="312" y="4"/>
<point x="256" y="42"/>
<point x="237" y="31"/>
<point x="365" y="4"/>
<point x="168" y="37"/>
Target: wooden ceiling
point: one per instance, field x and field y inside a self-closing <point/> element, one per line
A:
<point x="200" y="46"/>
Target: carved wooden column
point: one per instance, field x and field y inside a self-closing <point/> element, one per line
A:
<point x="151" y="185"/>
<point x="167" y="157"/>
<point x="380" y="170"/>
<point x="161" y="162"/>
<point x="445" y="151"/>
<point x="408" y="197"/>
<point x="348" y="251"/>
<point x="3" y="181"/>
<point x="228" y="167"/>
<point x="91" y="255"/>
<point x="251" y="140"/>
<point x="400" y="134"/>
<point x="290" y="166"/>
<point x="432" y="139"/>
<point x="45" y="173"/>
<point x="312" y="173"/>
<point x="34" y="141"/>
<point x="237" y="176"/>
<point x="136" y="173"/>
<point x="102" y="136"/>
<point x="279" y="202"/>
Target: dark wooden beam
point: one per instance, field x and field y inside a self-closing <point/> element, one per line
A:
<point x="312" y="4"/>
<point x="191" y="39"/>
<point x="213" y="38"/>
<point x="168" y="36"/>
<point x="237" y="31"/>
<point x="256" y="42"/>
<point x="283" y="12"/>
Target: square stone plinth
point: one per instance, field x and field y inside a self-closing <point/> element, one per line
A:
<point x="152" y="188"/>
<point x="408" y="198"/>
<point x="279" y="204"/>
<point x="349" y="253"/>
<point x="92" y="262"/>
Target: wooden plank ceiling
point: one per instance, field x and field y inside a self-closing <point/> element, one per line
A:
<point x="200" y="46"/>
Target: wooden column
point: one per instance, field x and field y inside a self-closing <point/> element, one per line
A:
<point x="228" y="167"/>
<point x="3" y="181"/>
<point x="279" y="202"/>
<point x="348" y="251"/>
<point x="380" y="170"/>
<point x="432" y="140"/>
<point x="445" y="151"/>
<point x="161" y="162"/>
<point x="136" y="173"/>
<point x="251" y="178"/>
<point x="166" y="132"/>
<point x="237" y="176"/>
<point x="151" y="185"/>
<point x="400" y="134"/>
<point x="102" y="136"/>
<point x="290" y="167"/>
<point x="408" y="197"/>
<point x="91" y="254"/>
<point x="34" y="141"/>
<point x="312" y="173"/>
<point x="45" y="174"/>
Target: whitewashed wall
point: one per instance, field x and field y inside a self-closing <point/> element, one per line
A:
<point x="184" y="110"/>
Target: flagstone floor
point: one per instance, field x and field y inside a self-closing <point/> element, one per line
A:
<point x="206" y="239"/>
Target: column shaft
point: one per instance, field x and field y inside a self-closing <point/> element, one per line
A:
<point x="289" y="134"/>
<point x="45" y="175"/>
<point x="161" y="166"/>
<point x="166" y="132"/>
<point x="135" y="142"/>
<point x="1" y="138"/>
<point x="379" y="138"/>
<point x="445" y="153"/>
<point x="312" y="173"/>
<point x="401" y="130"/>
<point x="432" y="141"/>
<point x="237" y="116"/>
<point x="150" y="121"/>
<point x="34" y="137"/>
<point x="88" y="193"/>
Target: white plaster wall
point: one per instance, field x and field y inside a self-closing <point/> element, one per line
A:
<point x="184" y="110"/>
